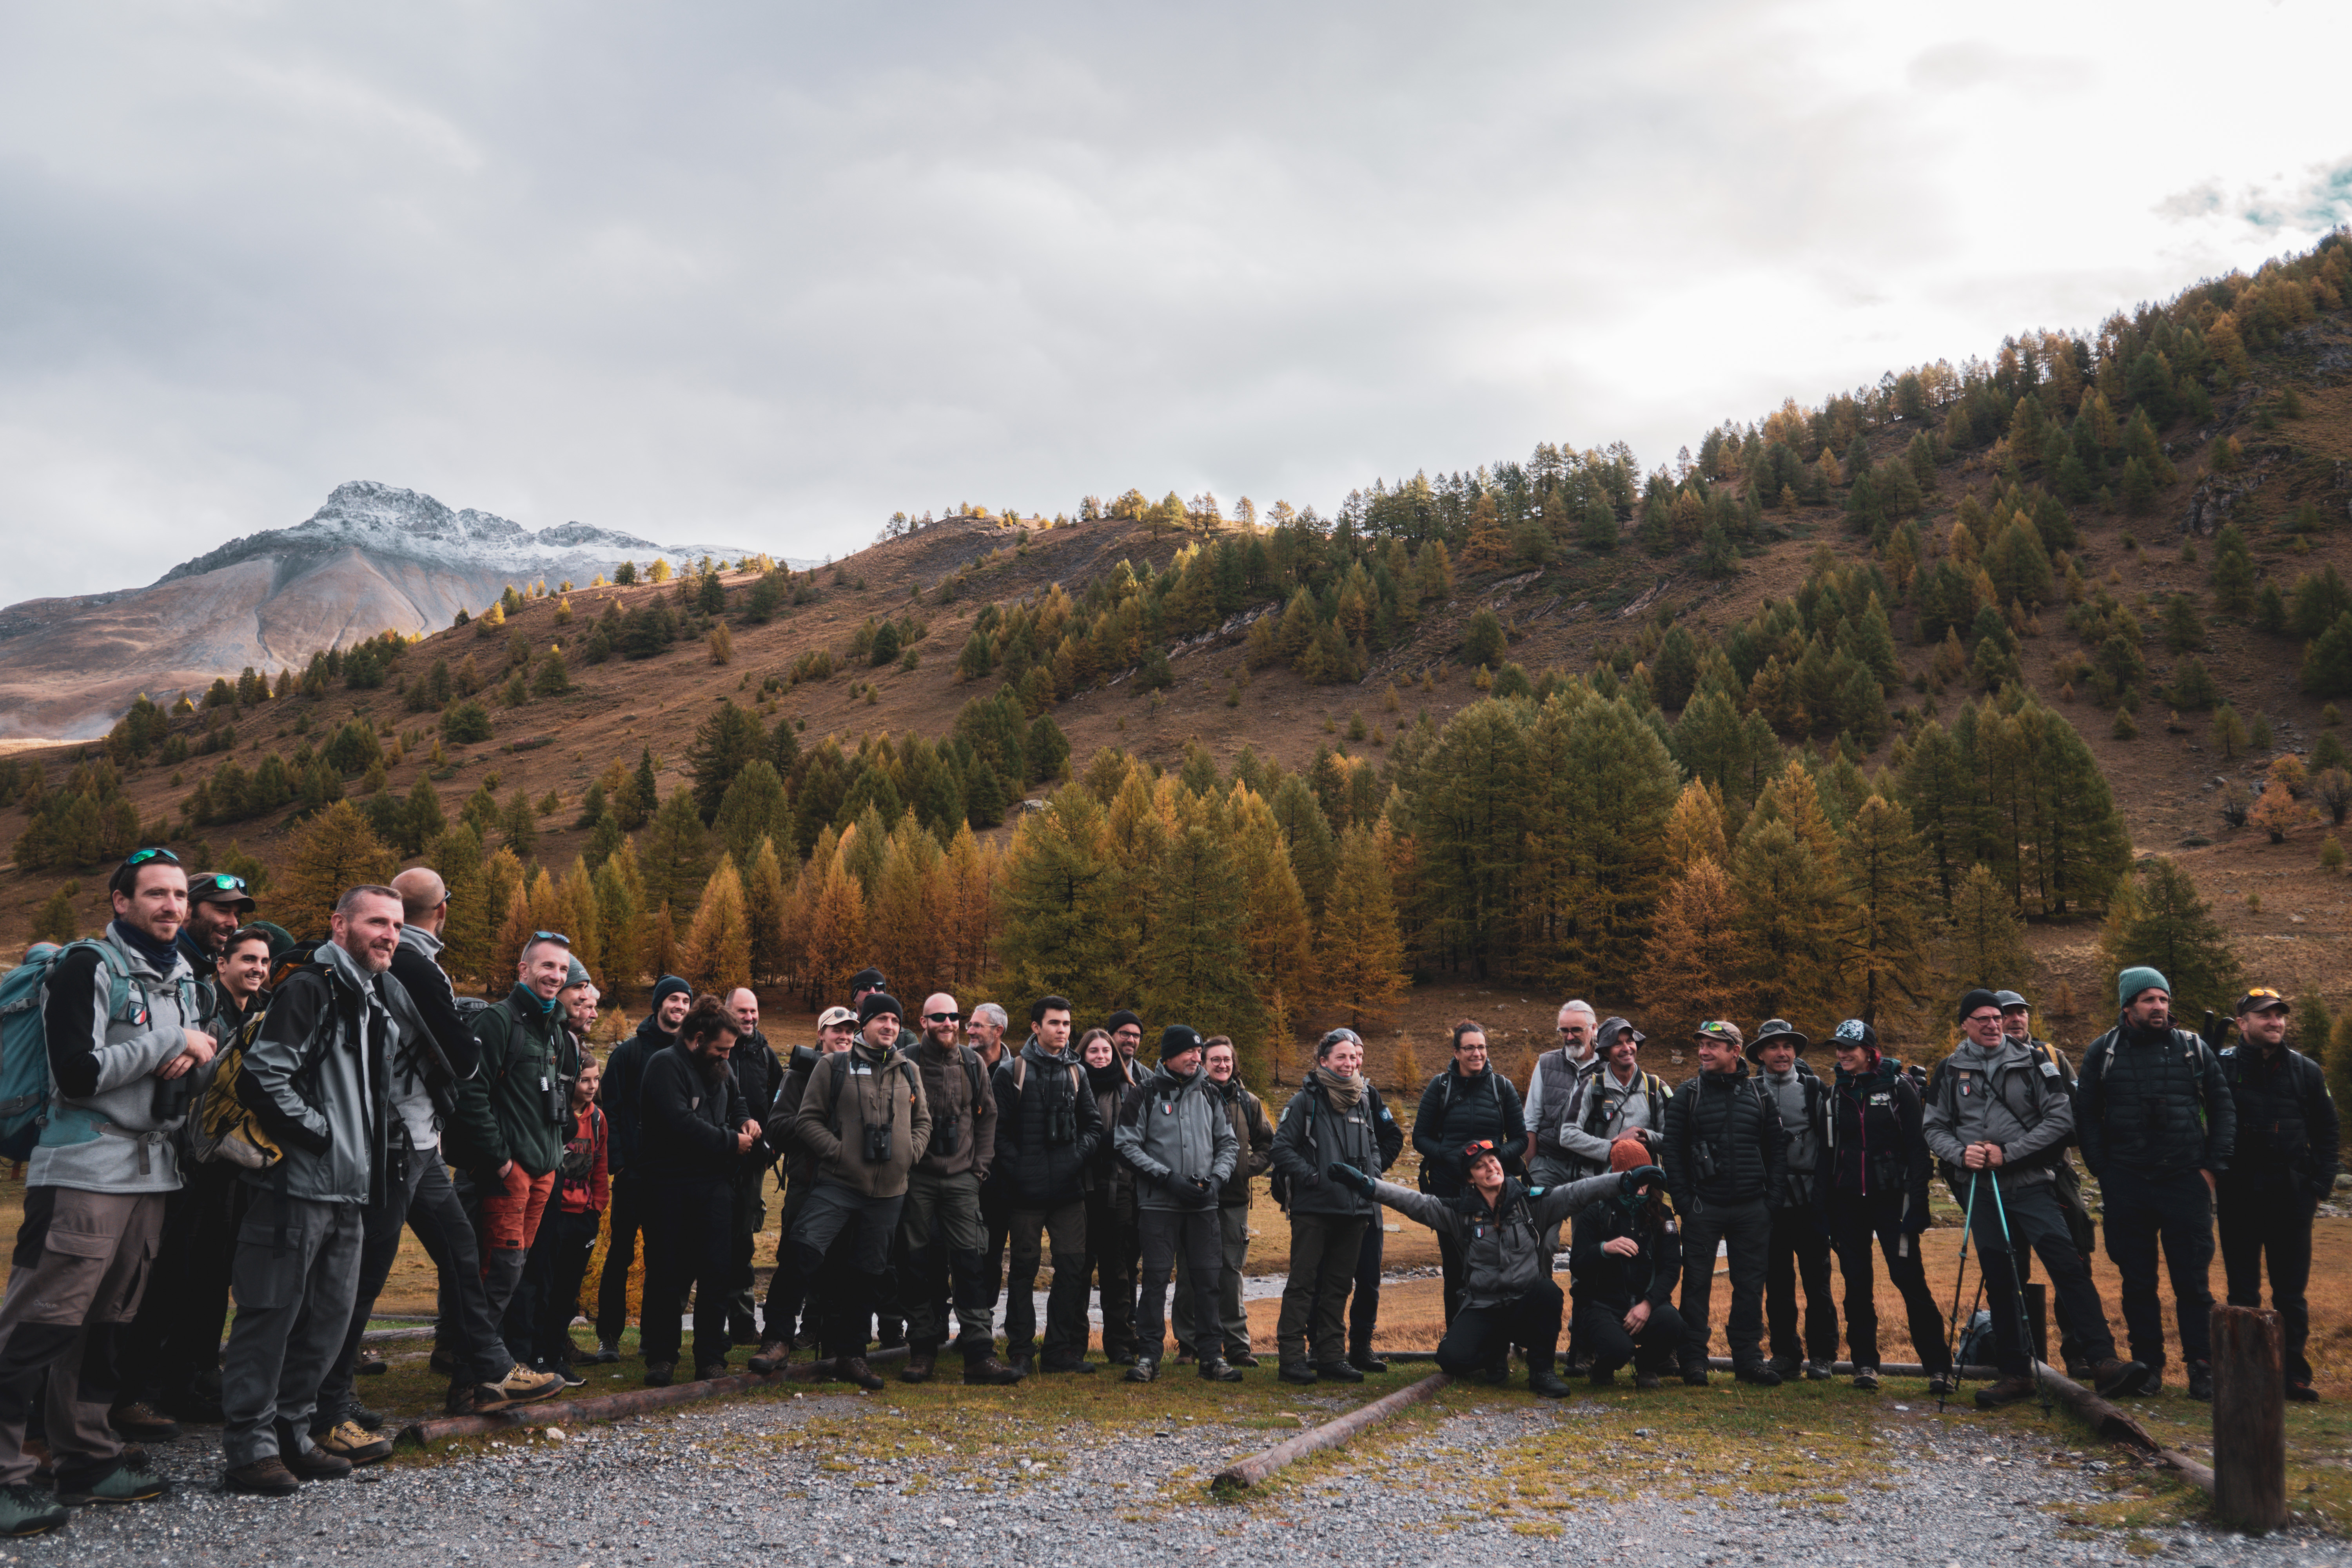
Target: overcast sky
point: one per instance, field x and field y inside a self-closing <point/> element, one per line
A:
<point x="767" y="272"/>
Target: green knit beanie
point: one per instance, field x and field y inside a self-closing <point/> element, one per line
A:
<point x="2133" y="981"/>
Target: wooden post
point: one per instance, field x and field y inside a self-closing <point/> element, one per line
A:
<point x="2037" y="1318"/>
<point x="2249" y="1418"/>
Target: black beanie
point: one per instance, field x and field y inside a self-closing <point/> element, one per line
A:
<point x="1177" y="1038"/>
<point x="1975" y="1000"/>
<point x="666" y="985"/>
<point x="1121" y="1019"/>
<point x="877" y="1002"/>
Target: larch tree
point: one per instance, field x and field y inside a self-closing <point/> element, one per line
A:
<point x="2165" y="923"/>
<point x="1695" y="830"/>
<point x="1360" y="956"/>
<point x="717" y="953"/>
<point x="617" y="914"/>
<point x="1787" y="912"/>
<point x="1280" y="935"/>
<point x="575" y="894"/>
<point x="334" y="850"/>
<point x="1690" y="967"/>
<point x="1984" y="941"/>
<point x="676" y="855"/>
<point x="1886" y="940"/>
<point x="457" y="853"/>
<point x="838" y="944"/>
<point x="1188" y="968"/>
<point x="764" y="896"/>
<point x="904" y="923"/>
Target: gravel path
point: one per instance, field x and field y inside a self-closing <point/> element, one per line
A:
<point x="729" y="1483"/>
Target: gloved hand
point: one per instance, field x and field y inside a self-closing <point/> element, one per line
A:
<point x="1200" y="1193"/>
<point x="1350" y="1177"/>
<point x="1641" y="1176"/>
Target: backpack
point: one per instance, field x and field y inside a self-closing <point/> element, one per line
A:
<point x="1976" y="1341"/>
<point x="25" y="1083"/>
<point x="224" y="1129"/>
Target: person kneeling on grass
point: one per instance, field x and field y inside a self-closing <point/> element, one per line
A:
<point x="1627" y="1257"/>
<point x="1499" y="1229"/>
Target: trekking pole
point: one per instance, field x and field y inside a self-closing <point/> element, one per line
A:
<point x="1951" y="1330"/>
<point x="2017" y="1293"/>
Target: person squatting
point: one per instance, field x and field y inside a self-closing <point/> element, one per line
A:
<point x="224" y="1114"/>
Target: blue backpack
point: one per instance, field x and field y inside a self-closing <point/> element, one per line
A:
<point x="24" y="1084"/>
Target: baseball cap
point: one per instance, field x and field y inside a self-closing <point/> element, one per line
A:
<point x="833" y="1017"/>
<point x="2261" y="999"/>
<point x="219" y="888"/>
<point x="1721" y="1029"/>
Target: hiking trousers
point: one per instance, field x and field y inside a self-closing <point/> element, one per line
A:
<point x="2276" y="1228"/>
<point x="1232" y="1243"/>
<point x="1797" y="1248"/>
<point x="1855" y="1223"/>
<point x="2174" y="1211"/>
<point x="296" y="1273"/>
<point x="80" y="1263"/>
<point x="1745" y="1232"/>
<point x="1323" y="1249"/>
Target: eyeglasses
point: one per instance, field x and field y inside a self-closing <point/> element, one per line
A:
<point x="140" y="857"/>
<point x="1573" y="1028"/>
<point x="942" y="1017"/>
<point x="1981" y="1018"/>
<point x="553" y="936"/>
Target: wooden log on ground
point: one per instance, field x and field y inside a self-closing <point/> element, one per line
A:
<point x="611" y="1406"/>
<point x="2116" y="1426"/>
<point x="2249" y="1418"/>
<point x="1248" y="1472"/>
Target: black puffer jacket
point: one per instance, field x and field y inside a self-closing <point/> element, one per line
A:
<point x="625" y="1076"/>
<point x="1724" y="1143"/>
<point x="1046" y="1128"/>
<point x="757" y="1074"/>
<point x="2152" y="1102"/>
<point x="1314" y="1135"/>
<point x="1874" y="1152"/>
<point x="2287" y="1133"/>
<point x="1603" y="1279"/>
<point x="1455" y="1111"/>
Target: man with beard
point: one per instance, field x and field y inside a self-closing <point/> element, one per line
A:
<point x="940" y="1235"/>
<point x="759" y="1074"/>
<point x="695" y="1131"/>
<point x="1173" y="1130"/>
<point x="624" y="1083"/>
<point x="837" y="1029"/>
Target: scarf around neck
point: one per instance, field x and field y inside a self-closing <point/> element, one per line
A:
<point x="1342" y="1090"/>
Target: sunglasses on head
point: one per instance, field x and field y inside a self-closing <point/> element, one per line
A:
<point x="942" y="1017"/>
<point x="224" y="883"/>
<point x="555" y="936"/>
<point x="140" y="857"/>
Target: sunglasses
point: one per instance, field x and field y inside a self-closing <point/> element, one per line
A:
<point x="2266" y="990"/>
<point x="222" y="881"/>
<point x="140" y="857"/>
<point x="553" y="936"/>
<point x="942" y="1017"/>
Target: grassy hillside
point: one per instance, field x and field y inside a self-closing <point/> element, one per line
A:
<point x="2245" y="422"/>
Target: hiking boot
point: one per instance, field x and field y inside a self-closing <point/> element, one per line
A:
<point x="774" y="1356"/>
<point x="1646" y="1380"/>
<point x="1943" y="1385"/>
<point x="370" y="1363"/>
<point x="1065" y="1363"/>
<point x="523" y="1386"/>
<point x="316" y="1465"/>
<point x="1818" y="1372"/>
<point x="853" y="1369"/>
<point x="352" y="1441"/>
<point x="2201" y="1381"/>
<point x="1365" y="1362"/>
<point x="920" y="1365"/>
<point x="142" y="1422"/>
<point x="1183" y="1355"/>
<point x="1866" y="1378"/>
<point x="2117" y="1379"/>
<point x="125" y="1483"/>
<point x="2151" y="1383"/>
<point x="2005" y="1390"/>
<point x="445" y="1362"/>
<point x="1496" y="1376"/>
<point x="1217" y="1369"/>
<point x="563" y="1374"/>
<point x="1239" y="1358"/>
<point x="1786" y="1365"/>
<point x="1546" y="1384"/>
<point x="266" y="1476"/>
<point x="1338" y="1372"/>
<point x="660" y="1374"/>
<point x="1023" y="1361"/>
<point x="2302" y="1393"/>
<point x="707" y="1371"/>
<point x="607" y="1353"/>
<point x="990" y="1371"/>
<point x="1695" y="1373"/>
<point x="29" y="1511"/>
<point x="1760" y="1373"/>
<point x="373" y="1420"/>
<point x="1297" y="1372"/>
<point x="475" y="1398"/>
<point x="1145" y="1369"/>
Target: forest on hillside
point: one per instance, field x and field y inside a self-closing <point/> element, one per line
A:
<point x="1771" y="817"/>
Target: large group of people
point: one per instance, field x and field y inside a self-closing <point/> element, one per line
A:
<point x="236" y="1116"/>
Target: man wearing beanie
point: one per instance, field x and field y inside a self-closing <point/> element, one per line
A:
<point x="1174" y="1131"/>
<point x="1872" y="1184"/>
<point x="624" y="1075"/>
<point x="2284" y="1164"/>
<point x="1047" y="1127"/>
<point x="2017" y="1023"/>
<point x="865" y="1119"/>
<point x="1798" y="1247"/>
<point x="1996" y="1114"/>
<point x="788" y="1293"/>
<point x="2158" y="1125"/>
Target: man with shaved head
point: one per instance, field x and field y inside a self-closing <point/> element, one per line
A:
<point x="759" y="1074"/>
<point x="940" y="1236"/>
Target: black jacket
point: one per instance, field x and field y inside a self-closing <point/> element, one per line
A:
<point x="757" y="1074"/>
<point x="687" y="1120"/>
<point x="1313" y="1135"/>
<point x="1455" y="1111"/>
<point x="2287" y="1133"/>
<point x="1254" y="1135"/>
<point x="797" y="1160"/>
<point x="624" y="1080"/>
<point x="1047" y="1128"/>
<point x="1606" y="1280"/>
<point x="428" y="986"/>
<point x="2152" y="1102"/>
<point x="1873" y="1151"/>
<point x="1724" y="1143"/>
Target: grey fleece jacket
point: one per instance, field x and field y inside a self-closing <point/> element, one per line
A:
<point x="1172" y="1130"/>
<point x="2003" y="1097"/>
<point x="1506" y="1249"/>
<point x="102" y="1132"/>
